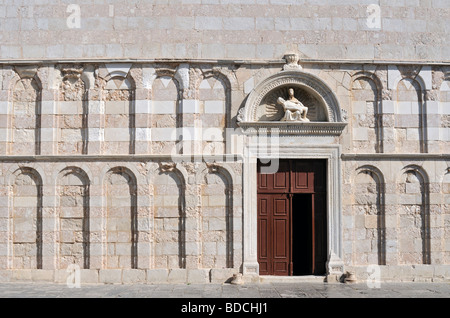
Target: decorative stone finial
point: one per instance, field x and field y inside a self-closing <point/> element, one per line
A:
<point x="292" y="62"/>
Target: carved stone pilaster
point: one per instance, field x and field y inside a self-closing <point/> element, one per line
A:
<point x="26" y="71"/>
<point x="212" y="167"/>
<point x="335" y="268"/>
<point x="432" y="95"/>
<point x="72" y="87"/>
<point x="386" y="94"/>
<point x="167" y="166"/>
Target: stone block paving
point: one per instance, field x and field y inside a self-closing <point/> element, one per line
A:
<point x="227" y="291"/>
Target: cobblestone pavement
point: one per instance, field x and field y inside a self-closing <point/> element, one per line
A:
<point x="261" y="291"/>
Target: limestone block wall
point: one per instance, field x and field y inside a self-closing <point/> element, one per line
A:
<point x="367" y="116"/>
<point x="385" y="115"/>
<point x="224" y="29"/>
<point x="26" y="220"/>
<point x="170" y="222"/>
<point x="395" y="215"/>
<point x="218" y="249"/>
<point x="106" y="166"/>
<point x="72" y="193"/>
<point x="109" y="215"/>
<point x="121" y="220"/>
<point x="166" y="114"/>
<point x="118" y="118"/>
<point x="25" y="118"/>
<point x="71" y="119"/>
<point x="184" y="109"/>
<point x="214" y="94"/>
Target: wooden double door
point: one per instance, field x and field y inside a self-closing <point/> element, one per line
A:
<point x="292" y="218"/>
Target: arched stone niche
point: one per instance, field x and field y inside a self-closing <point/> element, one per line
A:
<point x="261" y="109"/>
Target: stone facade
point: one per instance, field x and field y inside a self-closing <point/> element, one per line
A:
<point x="136" y="162"/>
<point x="225" y="29"/>
<point x="121" y="191"/>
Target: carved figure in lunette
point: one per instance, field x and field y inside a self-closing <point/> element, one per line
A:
<point x="294" y="110"/>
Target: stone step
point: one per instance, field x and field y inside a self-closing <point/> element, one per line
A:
<point x="292" y="279"/>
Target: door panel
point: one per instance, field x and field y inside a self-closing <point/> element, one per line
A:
<point x="280" y="181"/>
<point x="263" y="250"/>
<point x="281" y="206"/>
<point x="263" y="181"/>
<point x="263" y="206"/>
<point x="281" y="239"/>
<point x="264" y="241"/>
<point x="274" y="182"/>
<point x="302" y="177"/>
<point x="273" y="234"/>
<point x="280" y="268"/>
<point x="301" y="180"/>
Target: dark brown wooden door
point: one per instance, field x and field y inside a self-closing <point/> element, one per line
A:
<point x="296" y="188"/>
<point x="273" y="234"/>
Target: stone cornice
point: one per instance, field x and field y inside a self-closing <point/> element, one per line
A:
<point x="395" y="156"/>
<point x="293" y="128"/>
<point x="122" y="158"/>
<point x="280" y="62"/>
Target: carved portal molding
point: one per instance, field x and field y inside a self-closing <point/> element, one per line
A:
<point x="309" y="86"/>
<point x="293" y="128"/>
<point x="261" y="112"/>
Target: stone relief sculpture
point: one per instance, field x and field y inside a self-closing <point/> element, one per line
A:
<point x="294" y="110"/>
<point x="303" y="105"/>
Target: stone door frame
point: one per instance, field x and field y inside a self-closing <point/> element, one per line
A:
<point x="332" y="154"/>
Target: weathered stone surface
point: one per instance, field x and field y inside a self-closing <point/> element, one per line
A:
<point x="198" y="276"/>
<point x="134" y="276"/>
<point x="132" y="206"/>
<point x="110" y="276"/>
<point x="157" y="276"/>
<point x="221" y="275"/>
<point x="345" y="29"/>
<point x="177" y="276"/>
